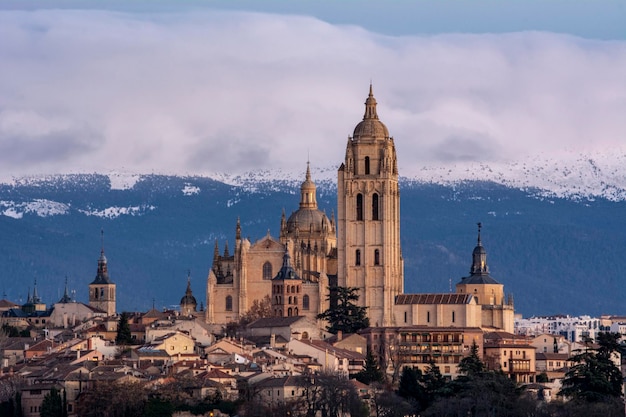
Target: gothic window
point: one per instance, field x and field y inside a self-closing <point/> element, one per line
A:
<point x="295" y="311"/>
<point x="293" y="289"/>
<point x="376" y="257"/>
<point x="375" y="207"/>
<point x="267" y="270"/>
<point x="289" y="312"/>
<point x="289" y="300"/>
<point x="359" y="207"/>
<point x="305" y="302"/>
<point x="357" y="261"/>
<point x="229" y="303"/>
<point x="367" y="165"/>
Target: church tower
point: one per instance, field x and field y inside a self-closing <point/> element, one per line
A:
<point x="102" y="289"/>
<point x="497" y="312"/>
<point x="368" y="218"/>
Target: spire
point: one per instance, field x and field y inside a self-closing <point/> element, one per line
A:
<point x="102" y="274"/>
<point x="479" y="256"/>
<point x="216" y="253"/>
<point x="36" y="299"/>
<point x="238" y="230"/>
<point x="370" y="106"/>
<point x="286" y="271"/>
<point x="188" y="290"/>
<point x="308" y="191"/>
<point x="226" y="252"/>
<point x="66" y="297"/>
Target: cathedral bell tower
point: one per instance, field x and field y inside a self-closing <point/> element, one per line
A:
<point x="368" y="221"/>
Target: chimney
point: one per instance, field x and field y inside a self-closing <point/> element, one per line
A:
<point x="339" y="335"/>
<point x="272" y="340"/>
<point x="77" y="353"/>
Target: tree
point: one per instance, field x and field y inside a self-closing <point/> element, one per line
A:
<point x="259" y="309"/>
<point x="345" y="316"/>
<point x="594" y="377"/>
<point x="472" y="365"/>
<point x="371" y="372"/>
<point x="52" y="405"/>
<point x="124" y="336"/>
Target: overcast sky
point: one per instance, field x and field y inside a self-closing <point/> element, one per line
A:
<point x="233" y="86"/>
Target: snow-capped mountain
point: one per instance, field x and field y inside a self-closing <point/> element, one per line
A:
<point x="554" y="230"/>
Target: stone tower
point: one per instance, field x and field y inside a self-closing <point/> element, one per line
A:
<point x="286" y="290"/>
<point x="102" y="289"/>
<point x="497" y="312"/>
<point x="368" y="218"/>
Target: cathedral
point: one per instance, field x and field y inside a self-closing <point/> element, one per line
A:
<point x="360" y="248"/>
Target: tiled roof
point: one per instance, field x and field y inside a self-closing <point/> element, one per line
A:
<point x="444" y="298"/>
<point x="274" y="322"/>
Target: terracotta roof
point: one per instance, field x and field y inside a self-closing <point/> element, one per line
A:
<point x="444" y="298"/>
<point x="274" y="322"/>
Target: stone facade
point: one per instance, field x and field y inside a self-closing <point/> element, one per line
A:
<point x="361" y="249"/>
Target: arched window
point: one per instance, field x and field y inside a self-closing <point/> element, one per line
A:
<point x="295" y="311"/>
<point x="375" y="207"/>
<point x="298" y="289"/>
<point x="289" y="312"/>
<point x="267" y="270"/>
<point x="376" y="257"/>
<point x="287" y="289"/>
<point x="357" y="261"/>
<point x="367" y="165"/>
<point x="305" y="302"/>
<point x="293" y="289"/>
<point x="229" y="303"/>
<point x="295" y="300"/>
<point x="289" y="300"/>
<point x="359" y="207"/>
<point x="305" y="335"/>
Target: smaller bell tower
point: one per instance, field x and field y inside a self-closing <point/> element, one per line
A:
<point x="102" y="289"/>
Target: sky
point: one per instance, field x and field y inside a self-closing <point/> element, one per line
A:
<point x="193" y="87"/>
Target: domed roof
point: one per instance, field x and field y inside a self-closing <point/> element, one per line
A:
<point x="308" y="216"/>
<point x="306" y="219"/>
<point x="188" y="298"/>
<point x="370" y="125"/>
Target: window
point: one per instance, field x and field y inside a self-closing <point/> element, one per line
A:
<point x="367" y="165"/>
<point x="357" y="261"/>
<point x="453" y="317"/>
<point x="289" y="312"/>
<point x="375" y="207"/>
<point x="376" y="257"/>
<point x="359" y="207"/>
<point x="405" y="316"/>
<point x="267" y="270"/>
<point x="428" y="317"/>
<point x="229" y="303"/>
<point x="305" y="302"/>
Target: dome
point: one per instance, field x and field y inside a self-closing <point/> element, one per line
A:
<point x="370" y="126"/>
<point x="188" y="299"/>
<point x="306" y="219"/>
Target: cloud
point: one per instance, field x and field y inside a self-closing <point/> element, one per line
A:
<point x="205" y="91"/>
